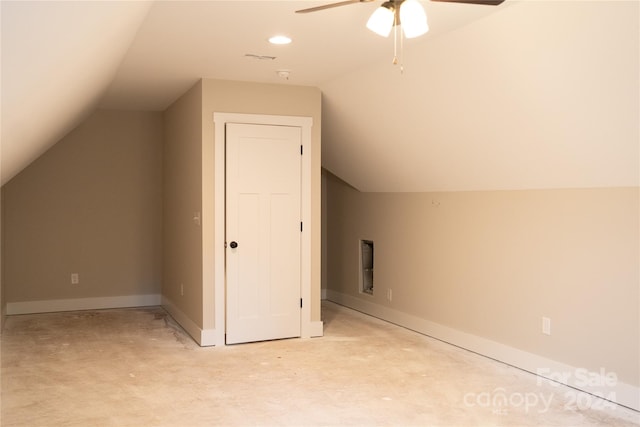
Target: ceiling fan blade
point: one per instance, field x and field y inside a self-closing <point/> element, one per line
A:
<point x="331" y="5"/>
<point x="486" y="2"/>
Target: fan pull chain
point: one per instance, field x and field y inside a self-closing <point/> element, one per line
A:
<point x="401" y="52"/>
<point x="395" y="45"/>
<point x="395" y="39"/>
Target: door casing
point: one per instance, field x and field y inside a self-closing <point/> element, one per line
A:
<point x="217" y="218"/>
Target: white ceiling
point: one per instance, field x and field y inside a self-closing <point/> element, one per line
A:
<point x="538" y="95"/>
<point x="57" y="59"/>
<point x="182" y="41"/>
<point x="533" y="94"/>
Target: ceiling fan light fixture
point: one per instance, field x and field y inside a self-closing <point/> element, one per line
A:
<point x="382" y="20"/>
<point x="413" y="19"/>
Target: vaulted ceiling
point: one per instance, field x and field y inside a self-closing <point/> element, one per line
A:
<point x="529" y="94"/>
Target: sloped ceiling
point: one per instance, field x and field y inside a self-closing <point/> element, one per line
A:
<point x="57" y="60"/>
<point x="532" y="94"/>
<point x="538" y="95"/>
<point x="181" y="41"/>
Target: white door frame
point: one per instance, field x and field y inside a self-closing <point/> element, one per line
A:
<point x="305" y="123"/>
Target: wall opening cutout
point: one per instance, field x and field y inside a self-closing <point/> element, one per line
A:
<point x="366" y="266"/>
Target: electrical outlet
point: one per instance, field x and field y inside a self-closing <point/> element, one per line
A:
<point x="75" y="278"/>
<point x="546" y="326"/>
<point x="181" y="290"/>
<point x="389" y="295"/>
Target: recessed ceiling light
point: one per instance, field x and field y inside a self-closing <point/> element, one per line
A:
<point x="279" y="40"/>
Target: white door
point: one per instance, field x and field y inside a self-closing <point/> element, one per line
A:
<point x="263" y="184"/>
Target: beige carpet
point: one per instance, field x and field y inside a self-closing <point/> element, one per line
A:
<point x="135" y="367"/>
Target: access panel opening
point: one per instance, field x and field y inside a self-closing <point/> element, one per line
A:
<point x="366" y="266"/>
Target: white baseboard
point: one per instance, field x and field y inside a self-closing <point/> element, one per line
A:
<point x="317" y="329"/>
<point x="204" y="337"/>
<point x="73" y="304"/>
<point x="207" y="337"/>
<point x="615" y="391"/>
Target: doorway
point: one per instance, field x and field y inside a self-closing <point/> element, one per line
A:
<point x="263" y="227"/>
<point x="220" y="254"/>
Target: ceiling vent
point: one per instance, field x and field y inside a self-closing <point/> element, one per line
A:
<point x="259" y="57"/>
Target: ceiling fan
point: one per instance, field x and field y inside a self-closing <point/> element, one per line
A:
<point x="408" y="14"/>
<point x="346" y="2"/>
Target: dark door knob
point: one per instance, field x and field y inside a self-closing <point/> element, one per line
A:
<point x="233" y="245"/>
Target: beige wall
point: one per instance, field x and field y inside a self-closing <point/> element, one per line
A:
<point x="492" y="263"/>
<point x="324" y="234"/>
<point x="90" y="205"/>
<point x="3" y="304"/>
<point x="189" y="181"/>
<point x="182" y="172"/>
<point x="272" y="99"/>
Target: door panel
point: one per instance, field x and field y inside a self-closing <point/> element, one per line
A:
<point x="263" y="217"/>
